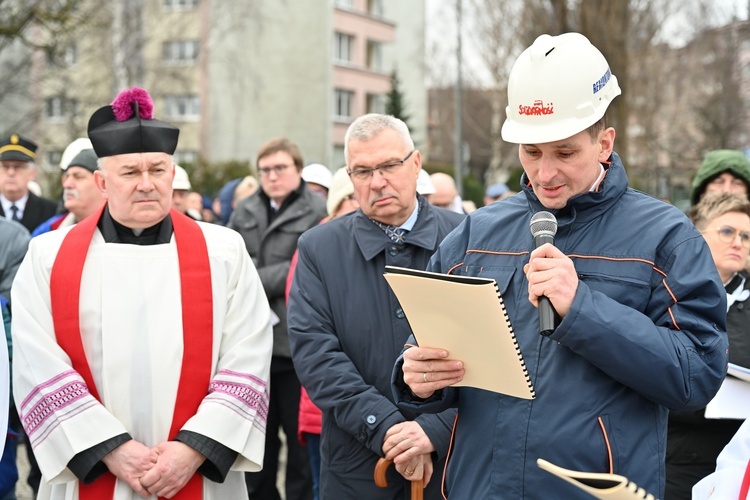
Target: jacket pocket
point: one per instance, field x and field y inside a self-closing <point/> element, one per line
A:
<point x="339" y="446"/>
<point x="625" y="290"/>
<point x="609" y="448"/>
<point x="503" y="275"/>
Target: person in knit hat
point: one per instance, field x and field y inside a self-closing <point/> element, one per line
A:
<point x="722" y="170"/>
<point x="81" y="197"/>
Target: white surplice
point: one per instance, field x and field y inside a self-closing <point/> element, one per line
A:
<point x="131" y="325"/>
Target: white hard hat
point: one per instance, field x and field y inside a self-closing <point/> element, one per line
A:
<point x="558" y="87"/>
<point x="181" y="180"/>
<point x="318" y="174"/>
<point x="73" y="149"/>
<point x="424" y="183"/>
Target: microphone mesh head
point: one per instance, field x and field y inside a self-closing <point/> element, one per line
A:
<point x="543" y="223"/>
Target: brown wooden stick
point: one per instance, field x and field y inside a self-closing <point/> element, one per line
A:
<point x="417" y="487"/>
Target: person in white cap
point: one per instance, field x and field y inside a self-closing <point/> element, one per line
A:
<point x="180" y="187"/>
<point x="81" y="196"/>
<point x="318" y="178"/>
<point x="424" y="185"/>
<point x="641" y="311"/>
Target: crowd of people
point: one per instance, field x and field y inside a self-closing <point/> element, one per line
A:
<point x="161" y="342"/>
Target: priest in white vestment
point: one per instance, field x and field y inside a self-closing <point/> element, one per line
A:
<point x="142" y="339"/>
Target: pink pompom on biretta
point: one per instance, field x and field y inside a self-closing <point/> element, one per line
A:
<point x="123" y="105"/>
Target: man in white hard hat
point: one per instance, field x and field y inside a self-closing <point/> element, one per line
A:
<point x="81" y="196"/>
<point x="180" y="187"/>
<point x="640" y="326"/>
<point x="318" y="178"/>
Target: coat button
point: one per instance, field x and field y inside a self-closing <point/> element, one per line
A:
<point x="393" y="250"/>
<point x="371" y="419"/>
<point x="400" y="313"/>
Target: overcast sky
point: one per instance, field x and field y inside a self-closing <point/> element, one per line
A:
<point x="441" y="34"/>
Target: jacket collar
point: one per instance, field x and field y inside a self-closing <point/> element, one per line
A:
<point x="372" y="240"/>
<point x="589" y="205"/>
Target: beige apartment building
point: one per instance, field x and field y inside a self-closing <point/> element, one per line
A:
<point x="232" y="74"/>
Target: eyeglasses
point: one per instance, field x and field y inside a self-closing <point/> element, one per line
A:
<point x="727" y="234"/>
<point x="17" y="166"/>
<point x="387" y="170"/>
<point x="276" y="169"/>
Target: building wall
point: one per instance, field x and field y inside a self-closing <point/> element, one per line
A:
<point x="265" y="68"/>
<point x="407" y="54"/>
<point x="269" y="72"/>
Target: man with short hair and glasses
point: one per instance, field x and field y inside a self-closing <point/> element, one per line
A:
<point x="346" y="327"/>
<point x="270" y="221"/>
<point x="17" y="155"/>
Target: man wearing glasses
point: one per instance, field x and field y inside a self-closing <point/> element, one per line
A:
<point x="17" y="155"/>
<point x="270" y="221"/>
<point x="346" y="326"/>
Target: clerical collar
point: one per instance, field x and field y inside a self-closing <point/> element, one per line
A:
<point x="114" y="232"/>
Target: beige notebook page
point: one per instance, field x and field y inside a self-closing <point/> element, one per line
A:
<point x="622" y="490"/>
<point x="470" y="323"/>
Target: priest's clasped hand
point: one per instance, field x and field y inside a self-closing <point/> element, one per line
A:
<point x="162" y="470"/>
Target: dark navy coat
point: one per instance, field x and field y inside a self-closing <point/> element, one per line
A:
<point x="346" y="329"/>
<point x="645" y="333"/>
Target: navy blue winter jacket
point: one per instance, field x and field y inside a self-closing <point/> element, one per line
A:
<point x="645" y="333"/>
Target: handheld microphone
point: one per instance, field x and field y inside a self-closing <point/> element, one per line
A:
<point x="543" y="227"/>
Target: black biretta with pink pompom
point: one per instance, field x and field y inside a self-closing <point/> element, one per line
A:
<point x="128" y="126"/>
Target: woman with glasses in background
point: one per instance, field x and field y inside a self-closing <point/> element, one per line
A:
<point x="693" y="441"/>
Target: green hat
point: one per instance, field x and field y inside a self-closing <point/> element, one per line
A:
<point x="716" y="163"/>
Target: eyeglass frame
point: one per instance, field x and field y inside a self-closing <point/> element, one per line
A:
<point x="366" y="173"/>
<point x="744" y="235"/>
<point x="276" y="169"/>
<point x="18" y="166"/>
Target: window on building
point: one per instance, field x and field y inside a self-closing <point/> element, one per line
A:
<point x="59" y="108"/>
<point x="375" y="7"/>
<point x="343" y="48"/>
<point x="374" y="55"/>
<point x="375" y="103"/>
<point x="347" y="4"/>
<point x="180" y="4"/>
<point x="342" y="102"/>
<point x="52" y="159"/>
<point x="63" y="57"/>
<point x="338" y="156"/>
<point x="183" y="107"/>
<point x="180" y="51"/>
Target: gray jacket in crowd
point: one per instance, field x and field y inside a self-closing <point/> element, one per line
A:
<point x="272" y="246"/>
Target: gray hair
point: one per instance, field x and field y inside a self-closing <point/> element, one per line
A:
<point x="368" y="126"/>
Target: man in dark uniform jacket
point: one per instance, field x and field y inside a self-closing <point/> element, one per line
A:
<point x="17" y="155"/>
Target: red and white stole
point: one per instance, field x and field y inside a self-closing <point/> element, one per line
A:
<point x="197" y="323"/>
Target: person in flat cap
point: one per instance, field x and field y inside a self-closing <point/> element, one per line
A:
<point x="81" y="196"/>
<point x="17" y="169"/>
<point x="724" y="170"/>
<point x="142" y="338"/>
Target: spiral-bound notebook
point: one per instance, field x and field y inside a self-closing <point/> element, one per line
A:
<point x="597" y="484"/>
<point x="465" y="316"/>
